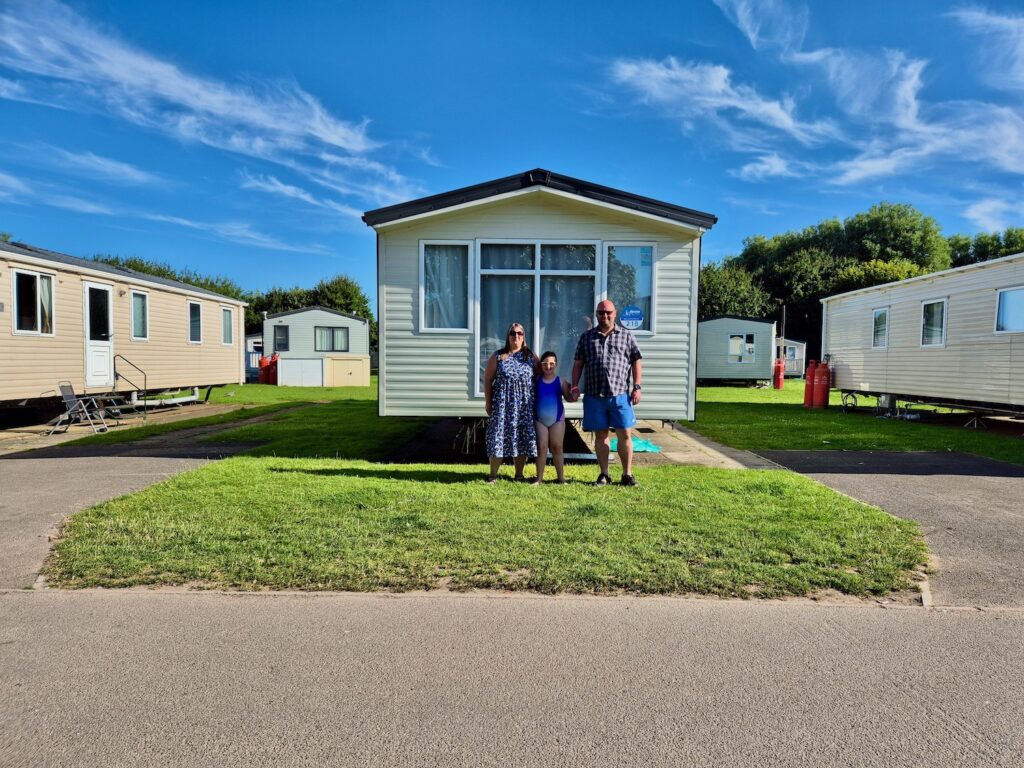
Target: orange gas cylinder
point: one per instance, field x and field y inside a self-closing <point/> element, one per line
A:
<point x="822" y="382"/>
<point x="779" y="377"/>
<point x="809" y="384"/>
<point x="264" y="369"/>
<point x="272" y="368"/>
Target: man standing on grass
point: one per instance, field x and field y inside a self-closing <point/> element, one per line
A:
<point x="608" y="354"/>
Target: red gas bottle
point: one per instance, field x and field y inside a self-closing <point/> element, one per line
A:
<point x="779" y="374"/>
<point x="822" y="383"/>
<point x="273" y="369"/>
<point x="264" y="369"/>
<point x="809" y="384"/>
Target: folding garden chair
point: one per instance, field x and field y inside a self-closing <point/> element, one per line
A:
<point x="78" y="410"/>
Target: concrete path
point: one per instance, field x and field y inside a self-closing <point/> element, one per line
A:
<point x="115" y="678"/>
<point x="971" y="511"/>
<point x="40" y="488"/>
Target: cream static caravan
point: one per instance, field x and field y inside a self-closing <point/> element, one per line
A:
<point x="456" y="269"/>
<point x="100" y="327"/>
<point x="953" y="337"/>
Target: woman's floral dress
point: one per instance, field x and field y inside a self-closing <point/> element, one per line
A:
<point x="510" y="430"/>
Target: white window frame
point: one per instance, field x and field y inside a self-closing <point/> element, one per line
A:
<point x="131" y="314"/>
<point x="995" y="319"/>
<point x="231" y="312"/>
<point x="469" y="286"/>
<point x="188" y="321"/>
<point x="654" y="279"/>
<point x="945" y="322"/>
<point x="39" y="320"/>
<point x="597" y="273"/>
<point x="348" y="337"/>
<point x="888" y="314"/>
<point x="730" y="355"/>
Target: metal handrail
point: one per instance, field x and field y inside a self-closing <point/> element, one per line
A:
<point x="145" y="381"/>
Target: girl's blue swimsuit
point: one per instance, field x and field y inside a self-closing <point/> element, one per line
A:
<point x="549" y="402"/>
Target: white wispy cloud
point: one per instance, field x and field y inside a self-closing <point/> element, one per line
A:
<point x="236" y="232"/>
<point x="771" y="165"/>
<point x="13" y="187"/>
<point x="767" y="23"/>
<point x="52" y="55"/>
<point x="692" y="92"/>
<point x="275" y="186"/>
<point x="1002" y="49"/>
<point x="77" y="204"/>
<point x="995" y="214"/>
<point x="97" y="167"/>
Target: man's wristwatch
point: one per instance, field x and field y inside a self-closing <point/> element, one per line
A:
<point x="637" y="387"/>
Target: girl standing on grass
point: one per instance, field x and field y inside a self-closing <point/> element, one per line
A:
<point x="550" y="423"/>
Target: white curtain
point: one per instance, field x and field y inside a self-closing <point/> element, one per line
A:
<point x="506" y="256"/>
<point x="330" y="339"/>
<point x="566" y="311"/>
<point x="45" y="304"/>
<point x="445" y="286"/>
<point x="504" y="299"/>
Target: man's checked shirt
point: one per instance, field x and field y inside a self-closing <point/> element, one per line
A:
<point x="606" y="361"/>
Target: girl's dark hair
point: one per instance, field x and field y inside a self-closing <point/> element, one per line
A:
<point x="507" y="349"/>
<point x="548" y="354"/>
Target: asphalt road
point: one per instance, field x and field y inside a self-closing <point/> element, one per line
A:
<point x="162" y="679"/>
<point x="971" y="512"/>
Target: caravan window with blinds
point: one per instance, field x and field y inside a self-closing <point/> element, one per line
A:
<point x="330" y="339"/>
<point x="444" y="286"/>
<point x="880" y="332"/>
<point x="933" y="323"/>
<point x="1010" y="311"/>
<point x="33" y="303"/>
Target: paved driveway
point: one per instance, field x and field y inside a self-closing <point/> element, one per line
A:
<point x="971" y="511"/>
<point x="39" y="488"/>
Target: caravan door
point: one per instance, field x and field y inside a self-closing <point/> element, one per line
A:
<point x="99" y="335"/>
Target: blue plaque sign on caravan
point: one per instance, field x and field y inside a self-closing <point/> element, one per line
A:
<point x="632" y="317"/>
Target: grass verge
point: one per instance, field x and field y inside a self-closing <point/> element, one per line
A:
<point x="770" y="419"/>
<point x="311" y="524"/>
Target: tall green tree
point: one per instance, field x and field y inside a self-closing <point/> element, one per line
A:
<point x="730" y="289"/>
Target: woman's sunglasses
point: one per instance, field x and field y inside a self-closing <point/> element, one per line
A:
<point x="516" y="333"/>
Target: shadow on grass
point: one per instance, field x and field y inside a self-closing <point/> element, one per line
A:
<point x="413" y="475"/>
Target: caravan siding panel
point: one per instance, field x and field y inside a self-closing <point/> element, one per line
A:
<point x="713" y="361"/>
<point x="975" y="363"/>
<point x="432" y="373"/>
<point x="35" y="364"/>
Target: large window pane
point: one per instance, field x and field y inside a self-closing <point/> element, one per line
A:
<point x="195" y="322"/>
<point x="280" y="338"/>
<point x="933" y="330"/>
<point x="445" y="286"/>
<point x="880" y="335"/>
<point x="568" y="257"/>
<point x="226" y="326"/>
<point x="504" y="299"/>
<point x="630" y="275"/>
<point x="506" y="256"/>
<point x="140" y="325"/>
<point x="566" y="311"/>
<point x="1010" y="313"/>
<point x="26" y="310"/>
<point x="330" y="339"/>
<point x="99" y="314"/>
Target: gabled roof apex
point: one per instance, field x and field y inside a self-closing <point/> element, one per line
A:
<point x="542" y="178"/>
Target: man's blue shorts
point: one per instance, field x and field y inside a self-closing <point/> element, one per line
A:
<point x="614" y="412"/>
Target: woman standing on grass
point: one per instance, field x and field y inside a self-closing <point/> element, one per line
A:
<point x="508" y="390"/>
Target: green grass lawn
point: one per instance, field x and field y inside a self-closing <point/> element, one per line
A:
<point x="769" y="419"/>
<point x="278" y="518"/>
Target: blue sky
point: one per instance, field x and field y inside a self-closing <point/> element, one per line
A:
<point x="247" y="138"/>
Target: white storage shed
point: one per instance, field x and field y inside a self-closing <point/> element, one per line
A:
<point x="456" y="269"/>
<point x="319" y="347"/>
<point x="735" y="348"/>
<point x="954" y="337"/>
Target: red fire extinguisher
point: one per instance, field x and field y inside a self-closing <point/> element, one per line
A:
<point x="822" y="382"/>
<point x="779" y="377"/>
<point x="809" y="384"/>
